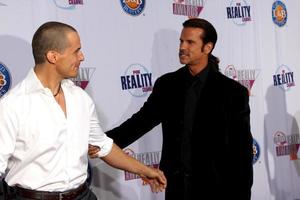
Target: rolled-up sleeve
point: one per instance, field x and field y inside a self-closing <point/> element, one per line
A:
<point x="97" y="137"/>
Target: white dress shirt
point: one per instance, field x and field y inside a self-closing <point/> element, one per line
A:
<point x="40" y="148"/>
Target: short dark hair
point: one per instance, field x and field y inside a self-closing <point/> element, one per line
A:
<point x="50" y="36"/>
<point x="209" y="33"/>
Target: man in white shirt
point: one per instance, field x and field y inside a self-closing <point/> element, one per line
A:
<point x="47" y="123"/>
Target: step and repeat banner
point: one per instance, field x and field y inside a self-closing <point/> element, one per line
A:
<point x="128" y="44"/>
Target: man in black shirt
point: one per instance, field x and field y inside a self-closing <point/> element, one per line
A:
<point x="205" y="119"/>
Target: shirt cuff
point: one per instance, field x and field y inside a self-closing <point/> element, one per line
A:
<point x="105" y="147"/>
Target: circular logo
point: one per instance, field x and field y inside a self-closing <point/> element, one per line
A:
<point x="279" y="138"/>
<point x="242" y="15"/>
<point x="256" y="151"/>
<point x="137" y="80"/>
<point x="231" y="72"/>
<point x="279" y="13"/>
<point x="133" y="7"/>
<point x="63" y="4"/>
<point x="286" y="77"/>
<point x="5" y="79"/>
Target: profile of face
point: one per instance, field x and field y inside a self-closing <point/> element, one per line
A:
<point x="192" y="50"/>
<point x="68" y="61"/>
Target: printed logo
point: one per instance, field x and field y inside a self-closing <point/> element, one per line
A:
<point x="5" y="79"/>
<point x="67" y="4"/>
<point x="287" y="145"/>
<point x="84" y="76"/>
<point x="239" y="12"/>
<point x="190" y="8"/>
<point x="150" y="159"/>
<point x="76" y="2"/>
<point x="133" y="7"/>
<point x="279" y="13"/>
<point x="256" y="151"/>
<point x="246" y="77"/>
<point x="284" y="78"/>
<point x="137" y="80"/>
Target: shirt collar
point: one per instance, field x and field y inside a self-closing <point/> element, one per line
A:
<point x="200" y="77"/>
<point x="33" y="84"/>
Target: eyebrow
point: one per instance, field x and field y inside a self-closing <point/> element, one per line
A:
<point x="78" y="49"/>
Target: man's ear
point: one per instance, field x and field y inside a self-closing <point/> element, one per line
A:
<point x="208" y="47"/>
<point x="51" y="56"/>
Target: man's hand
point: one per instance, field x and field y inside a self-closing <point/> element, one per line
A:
<point x="150" y="176"/>
<point x="156" y="179"/>
<point x="93" y="150"/>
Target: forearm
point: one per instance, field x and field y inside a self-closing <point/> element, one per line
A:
<point x="118" y="159"/>
<point x="135" y="127"/>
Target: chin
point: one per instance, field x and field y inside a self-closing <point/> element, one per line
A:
<point x="73" y="75"/>
<point x="183" y="62"/>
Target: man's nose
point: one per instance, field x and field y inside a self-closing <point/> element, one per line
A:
<point x="81" y="56"/>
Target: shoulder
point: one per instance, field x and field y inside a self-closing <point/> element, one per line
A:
<point x="76" y="90"/>
<point x="13" y="100"/>
<point x="171" y="77"/>
<point x="230" y="84"/>
<point x="15" y="94"/>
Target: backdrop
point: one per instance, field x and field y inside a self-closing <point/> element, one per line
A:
<point x="128" y="44"/>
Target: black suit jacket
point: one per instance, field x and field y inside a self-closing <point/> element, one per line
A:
<point x="221" y="138"/>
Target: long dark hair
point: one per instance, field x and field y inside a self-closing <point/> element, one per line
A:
<point x="209" y="34"/>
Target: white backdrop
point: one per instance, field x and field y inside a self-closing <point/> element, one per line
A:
<point x="258" y="46"/>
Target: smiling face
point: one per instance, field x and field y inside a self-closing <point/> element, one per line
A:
<point x="68" y="61"/>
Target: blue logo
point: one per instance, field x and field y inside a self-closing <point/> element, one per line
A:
<point x="256" y="151"/>
<point x="284" y="78"/>
<point x="133" y="7"/>
<point x="239" y="12"/>
<point x="279" y="13"/>
<point x="137" y="80"/>
<point x="5" y="79"/>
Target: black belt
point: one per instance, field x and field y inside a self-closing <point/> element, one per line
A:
<point x="34" y="194"/>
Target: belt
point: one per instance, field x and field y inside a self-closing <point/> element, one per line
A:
<point x="67" y="195"/>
